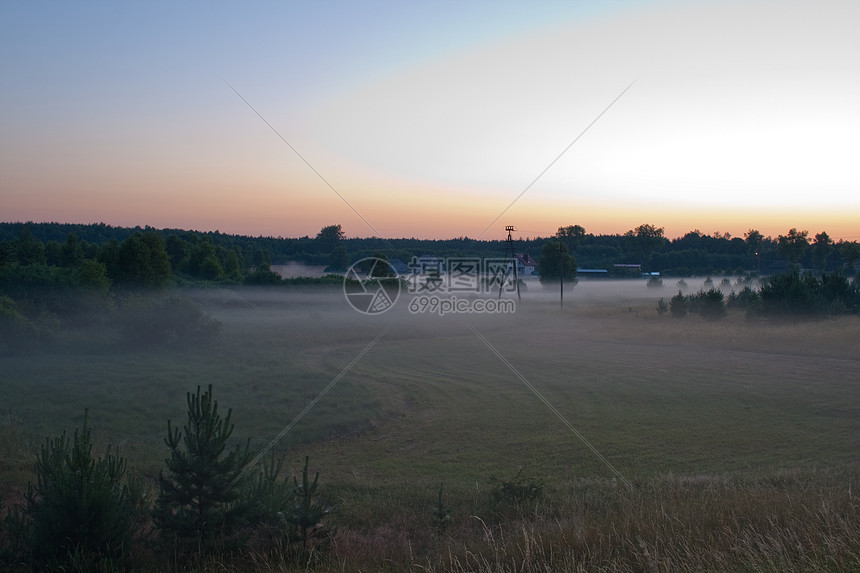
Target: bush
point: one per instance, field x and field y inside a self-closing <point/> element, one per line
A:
<point x="747" y="299"/>
<point x="166" y="321"/>
<point x="16" y="330"/>
<point x="263" y="275"/>
<point x="662" y="306"/>
<point x="654" y="282"/>
<point x="709" y="304"/>
<point x="678" y="305"/>
<point x="793" y="294"/>
<point x="292" y="516"/>
<point x="514" y="491"/>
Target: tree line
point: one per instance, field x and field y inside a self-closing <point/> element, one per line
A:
<point x="156" y="257"/>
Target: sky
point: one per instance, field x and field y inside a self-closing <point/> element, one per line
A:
<point x="433" y="119"/>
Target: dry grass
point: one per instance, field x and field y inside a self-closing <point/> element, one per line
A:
<point x="800" y="521"/>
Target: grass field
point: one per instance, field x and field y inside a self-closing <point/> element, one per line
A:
<point x="730" y="432"/>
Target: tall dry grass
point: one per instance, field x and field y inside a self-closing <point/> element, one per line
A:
<point x="788" y="522"/>
<point x="796" y="521"/>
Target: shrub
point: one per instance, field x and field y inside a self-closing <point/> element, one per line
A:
<point x="747" y="299"/>
<point x="789" y="293"/>
<point x="16" y="330"/>
<point x="289" y="517"/>
<point x="662" y="306"/>
<point x="166" y="321"/>
<point x="678" y="305"/>
<point x="806" y="295"/>
<point x="710" y="304"/>
<point x="514" y="491"/>
<point x="263" y="275"/>
<point x="654" y="282"/>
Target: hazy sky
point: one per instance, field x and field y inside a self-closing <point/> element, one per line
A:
<point x="430" y="118"/>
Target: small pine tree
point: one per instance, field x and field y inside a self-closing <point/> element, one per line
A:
<point x="199" y="504"/>
<point x="678" y="305"/>
<point x="307" y="519"/>
<point x="711" y="304"/>
<point x="80" y="513"/>
<point x="441" y="514"/>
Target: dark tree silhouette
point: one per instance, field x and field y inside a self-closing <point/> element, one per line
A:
<point x="556" y="262"/>
<point x="793" y="245"/>
<point x="329" y="237"/>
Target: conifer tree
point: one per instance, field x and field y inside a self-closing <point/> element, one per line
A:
<point x="199" y="505"/>
<point x="307" y="517"/>
<point x="80" y="514"/>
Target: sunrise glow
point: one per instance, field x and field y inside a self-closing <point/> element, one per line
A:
<point x="429" y="122"/>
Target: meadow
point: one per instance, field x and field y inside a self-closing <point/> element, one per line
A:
<point x="727" y="444"/>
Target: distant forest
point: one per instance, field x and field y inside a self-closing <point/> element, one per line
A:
<point x="157" y="257"/>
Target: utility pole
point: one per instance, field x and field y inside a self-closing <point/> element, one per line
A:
<point x="561" y="275"/>
<point x="509" y="247"/>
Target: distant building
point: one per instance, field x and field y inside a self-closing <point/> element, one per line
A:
<point x="526" y="265"/>
<point x="627" y="270"/>
<point x="592" y="273"/>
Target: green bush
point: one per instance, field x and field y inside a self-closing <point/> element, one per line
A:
<point x="514" y="491"/>
<point x="793" y="294"/>
<point x="654" y="282"/>
<point x="678" y="305"/>
<point x="292" y="517"/>
<point x="16" y="330"/>
<point x="709" y="304"/>
<point x="263" y="275"/>
<point x="166" y="321"/>
<point x="747" y="299"/>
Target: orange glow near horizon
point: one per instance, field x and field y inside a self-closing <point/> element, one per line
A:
<point x="743" y="115"/>
<point x="423" y="212"/>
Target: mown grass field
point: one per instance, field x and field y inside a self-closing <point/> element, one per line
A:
<point x="712" y="419"/>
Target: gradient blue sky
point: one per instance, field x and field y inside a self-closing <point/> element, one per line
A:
<point x="430" y="118"/>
